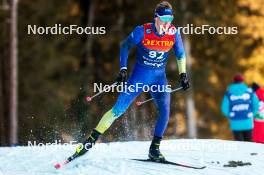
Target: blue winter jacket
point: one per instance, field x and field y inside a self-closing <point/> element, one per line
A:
<point x="243" y="124"/>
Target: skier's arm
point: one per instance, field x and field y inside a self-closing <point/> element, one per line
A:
<point x="255" y="104"/>
<point x="181" y="60"/>
<point x="225" y="106"/>
<point x="134" y="38"/>
<point x="179" y="53"/>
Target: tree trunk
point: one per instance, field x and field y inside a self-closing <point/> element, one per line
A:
<point x="190" y="105"/>
<point x="13" y="75"/>
<point x="2" y="118"/>
<point x="89" y="41"/>
<point x="88" y="8"/>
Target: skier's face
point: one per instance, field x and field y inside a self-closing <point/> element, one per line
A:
<point x="162" y="23"/>
<point x="159" y="23"/>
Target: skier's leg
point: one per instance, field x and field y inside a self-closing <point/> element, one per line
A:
<point x="123" y="102"/>
<point x="162" y="101"/>
<point x="238" y="135"/>
<point x="247" y="135"/>
<point x="139" y="75"/>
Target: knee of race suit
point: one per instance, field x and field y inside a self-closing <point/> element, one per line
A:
<point x="118" y="111"/>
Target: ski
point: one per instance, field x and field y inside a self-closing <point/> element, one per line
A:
<point x="171" y="163"/>
<point x="59" y="165"/>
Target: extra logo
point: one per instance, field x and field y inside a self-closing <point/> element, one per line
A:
<point x="148" y="42"/>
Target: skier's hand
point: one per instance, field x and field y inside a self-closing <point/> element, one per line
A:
<point x="122" y="76"/>
<point x="184" y="81"/>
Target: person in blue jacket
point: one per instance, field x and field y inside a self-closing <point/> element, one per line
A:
<point x="153" y="41"/>
<point x="239" y="105"/>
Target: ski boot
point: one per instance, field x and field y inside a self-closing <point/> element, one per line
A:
<point x="154" y="151"/>
<point x="86" y="145"/>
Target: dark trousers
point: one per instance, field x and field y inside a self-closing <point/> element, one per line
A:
<point x="243" y="135"/>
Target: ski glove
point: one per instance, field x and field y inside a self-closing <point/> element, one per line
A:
<point x="122" y="76"/>
<point x="184" y="81"/>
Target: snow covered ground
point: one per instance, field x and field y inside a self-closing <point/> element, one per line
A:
<point x="114" y="158"/>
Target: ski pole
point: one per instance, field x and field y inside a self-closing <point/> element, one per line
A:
<point x="139" y="103"/>
<point x="89" y="98"/>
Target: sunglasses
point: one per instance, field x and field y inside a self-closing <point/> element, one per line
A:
<point x="166" y="18"/>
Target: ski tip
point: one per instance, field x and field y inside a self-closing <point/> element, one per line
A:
<point x="57" y="166"/>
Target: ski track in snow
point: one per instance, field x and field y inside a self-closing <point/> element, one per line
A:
<point x="114" y="158"/>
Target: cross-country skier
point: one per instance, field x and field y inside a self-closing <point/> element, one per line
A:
<point x="153" y="46"/>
